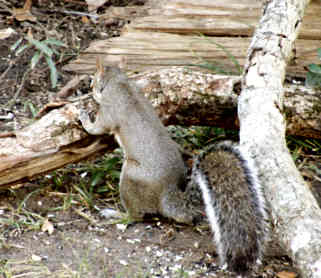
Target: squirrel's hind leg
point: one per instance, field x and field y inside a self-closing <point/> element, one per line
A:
<point x="133" y="196"/>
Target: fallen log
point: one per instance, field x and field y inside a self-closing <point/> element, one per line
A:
<point x="181" y="96"/>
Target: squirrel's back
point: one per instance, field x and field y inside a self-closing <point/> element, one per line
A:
<point x="235" y="204"/>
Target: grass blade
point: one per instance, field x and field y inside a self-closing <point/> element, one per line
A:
<point x="40" y="46"/>
<point x="53" y="71"/>
<point x="54" y="42"/>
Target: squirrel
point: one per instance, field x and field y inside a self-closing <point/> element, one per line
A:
<point x="154" y="177"/>
<point x="235" y="204"/>
<point x="153" y="174"/>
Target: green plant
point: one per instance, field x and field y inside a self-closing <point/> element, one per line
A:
<point x="101" y="177"/>
<point x="31" y="107"/>
<point x="43" y="49"/>
<point x="313" y="78"/>
<point x="218" y="67"/>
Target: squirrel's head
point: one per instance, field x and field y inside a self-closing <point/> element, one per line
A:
<point x="105" y="75"/>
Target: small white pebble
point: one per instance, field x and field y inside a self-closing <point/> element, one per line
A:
<point x="178" y="258"/>
<point x="121" y="227"/>
<point x="123" y="262"/>
<point x="159" y="254"/>
<point x="36" y="258"/>
<point x="131" y="241"/>
<point x="176" y="267"/>
<point x="148" y="249"/>
<point x="111" y="213"/>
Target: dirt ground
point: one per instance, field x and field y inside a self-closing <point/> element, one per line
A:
<point x="48" y="227"/>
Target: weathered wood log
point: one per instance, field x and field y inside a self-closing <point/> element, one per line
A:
<point x="50" y="143"/>
<point x="296" y="214"/>
<point x="185" y="97"/>
<point x="181" y="97"/>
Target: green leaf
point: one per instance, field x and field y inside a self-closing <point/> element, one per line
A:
<point x="111" y="163"/>
<point x="22" y="48"/>
<point x="33" y="109"/>
<point x="54" y="42"/>
<point x="227" y="52"/>
<point x="97" y="178"/>
<point x="53" y="71"/>
<point x="56" y="52"/>
<point x="16" y="44"/>
<point x="115" y="174"/>
<point x="35" y="59"/>
<point x="313" y="80"/>
<point x="41" y="46"/>
<point x="315" y="68"/>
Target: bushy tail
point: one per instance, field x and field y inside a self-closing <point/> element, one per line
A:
<point x="235" y="204"/>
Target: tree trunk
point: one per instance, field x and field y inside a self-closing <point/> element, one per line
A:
<point x="296" y="215"/>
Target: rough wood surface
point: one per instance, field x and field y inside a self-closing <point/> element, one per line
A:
<point x="186" y="97"/>
<point x="296" y="215"/>
<point x="139" y="51"/>
<point x="169" y="36"/>
<point x="180" y="96"/>
<point x="50" y="143"/>
<point x="217" y="18"/>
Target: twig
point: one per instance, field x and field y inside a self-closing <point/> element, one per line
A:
<point x="6" y="71"/>
<point x="80" y="13"/>
<point x="12" y="102"/>
<point x="76" y="2"/>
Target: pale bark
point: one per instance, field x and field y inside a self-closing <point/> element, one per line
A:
<point x="296" y="215"/>
<point x="50" y="143"/>
<point x="186" y="97"/>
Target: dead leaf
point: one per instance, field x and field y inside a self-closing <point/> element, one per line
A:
<point x="6" y="33"/>
<point x="29" y="34"/>
<point x="50" y="106"/>
<point x="85" y="19"/>
<point x="47" y="226"/>
<point x="286" y="274"/>
<point x="95" y="4"/>
<point x="24" y="13"/>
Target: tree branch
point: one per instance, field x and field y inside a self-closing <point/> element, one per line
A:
<point x="296" y="214"/>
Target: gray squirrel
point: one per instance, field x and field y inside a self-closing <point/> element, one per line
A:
<point x="153" y="170"/>
<point x="154" y="176"/>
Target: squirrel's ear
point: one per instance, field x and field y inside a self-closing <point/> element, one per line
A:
<point x="99" y="65"/>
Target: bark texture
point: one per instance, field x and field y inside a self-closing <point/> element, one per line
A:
<point x="296" y="215"/>
<point x="50" y="143"/>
